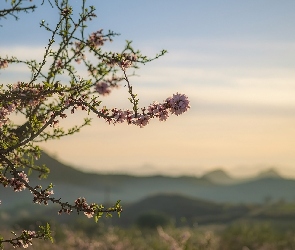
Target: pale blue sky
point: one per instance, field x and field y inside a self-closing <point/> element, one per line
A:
<point x="234" y="59"/>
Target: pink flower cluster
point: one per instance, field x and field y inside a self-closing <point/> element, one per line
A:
<point x="158" y="110"/>
<point x="124" y="60"/>
<point x="4" y="112"/>
<point x="82" y="205"/>
<point x="26" y="96"/>
<point x="18" y="183"/>
<point x="42" y="196"/>
<point x="59" y="64"/>
<point x="31" y="93"/>
<point x="177" y="104"/>
<point x="96" y="39"/>
<point x="127" y="61"/>
<point x="102" y="88"/>
<point x="3" y="64"/>
<point x="26" y="239"/>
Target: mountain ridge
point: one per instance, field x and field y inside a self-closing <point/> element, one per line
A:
<point x="70" y="183"/>
<point x="211" y="175"/>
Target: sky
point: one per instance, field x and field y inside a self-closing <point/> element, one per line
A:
<point x="235" y="61"/>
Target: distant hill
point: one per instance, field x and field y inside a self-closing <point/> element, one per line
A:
<point x="181" y="210"/>
<point x="195" y="211"/>
<point x="269" y="173"/>
<point x="219" y="176"/>
<point x="70" y="183"/>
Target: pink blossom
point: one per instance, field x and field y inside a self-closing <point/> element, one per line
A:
<point x="178" y="103"/>
<point x="119" y="116"/>
<point x="142" y="120"/>
<point x="127" y="61"/>
<point x="42" y="195"/>
<point x="129" y="116"/>
<point x="102" y="88"/>
<point x="67" y="102"/>
<point x="34" y="102"/>
<point x="125" y="64"/>
<point x="3" y="116"/>
<point x="82" y="205"/>
<point x="55" y="123"/>
<point x="158" y="110"/>
<point x="124" y="60"/>
<point x="163" y="115"/>
<point x="3" y="64"/>
<point x="89" y="214"/>
<point x="59" y="64"/>
<point x="4" y="112"/>
<point x="26" y="241"/>
<point x="18" y="183"/>
<point x="96" y="39"/>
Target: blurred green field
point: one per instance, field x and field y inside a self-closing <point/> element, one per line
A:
<point x="263" y="227"/>
<point x="241" y="235"/>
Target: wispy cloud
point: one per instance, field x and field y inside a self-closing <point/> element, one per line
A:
<point x="242" y="98"/>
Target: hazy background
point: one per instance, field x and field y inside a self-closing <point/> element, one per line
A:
<point x="235" y="61"/>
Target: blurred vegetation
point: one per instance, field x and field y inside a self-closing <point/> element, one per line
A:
<point x="257" y="235"/>
<point x="153" y="219"/>
<point x="258" y="227"/>
<point x="162" y="221"/>
<point x="241" y="235"/>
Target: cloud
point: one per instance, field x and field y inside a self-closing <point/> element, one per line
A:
<point x="233" y="87"/>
